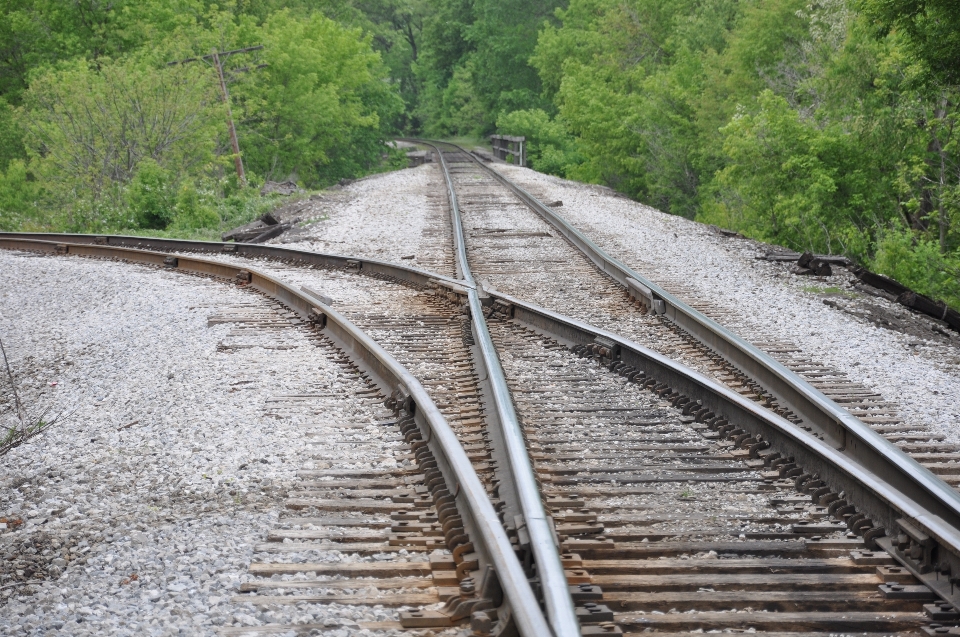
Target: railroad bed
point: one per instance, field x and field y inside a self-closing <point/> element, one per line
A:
<point x="610" y="457"/>
<point x="381" y="511"/>
<point x="186" y="446"/>
<point x="522" y="255"/>
<point x="681" y="498"/>
<point x="625" y="476"/>
<point x="837" y="321"/>
<point x="677" y="527"/>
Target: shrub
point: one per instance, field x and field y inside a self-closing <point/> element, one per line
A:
<point x="919" y="264"/>
<point x="150" y="196"/>
<point x="192" y="213"/>
<point x="550" y="147"/>
<point x="18" y="196"/>
<point x="119" y="132"/>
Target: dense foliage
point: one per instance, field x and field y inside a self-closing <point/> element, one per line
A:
<point x="825" y="126"/>
<point x="101" y="128"/>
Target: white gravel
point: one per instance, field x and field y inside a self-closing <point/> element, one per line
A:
<point x="181" y="496"/>
<point x="921" y="375"/>
<point x="389" y="214"/>
<point x="397" y="216"/>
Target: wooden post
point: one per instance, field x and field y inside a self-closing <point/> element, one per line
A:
<point x="237" y="160"/>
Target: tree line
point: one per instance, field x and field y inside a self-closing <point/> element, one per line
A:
<point x="112" y="116"/>
<point x="822" y="125"/>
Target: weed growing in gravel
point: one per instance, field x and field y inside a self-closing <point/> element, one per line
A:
<point x="28" y="424"/>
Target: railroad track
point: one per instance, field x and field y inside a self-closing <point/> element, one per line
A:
<point x="547" y="411"/>
<point x="526" y="249"/>
<point x="633" y="457"/>
<point x="405" y="522"/>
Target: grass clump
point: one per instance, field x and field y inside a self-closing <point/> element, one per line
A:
<point x="29" y="423"/>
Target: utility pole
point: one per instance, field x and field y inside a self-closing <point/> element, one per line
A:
<point x="237" y="160"/>
<point x="225" y="95"/>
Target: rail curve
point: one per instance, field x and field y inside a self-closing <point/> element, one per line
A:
<point x="462" y="485"/>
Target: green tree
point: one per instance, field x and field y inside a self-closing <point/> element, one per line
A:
<point x="474" y="63"/>
<point x="11" y="136"/>
<point x="91" y="128"/>
<point x="919" y="264"/>
<point x="192" y="211"/>
<point x="317" y="111"/>
<point x="36" y="34"/>
<point x="550" y="147"/>
<point x="782" y="180"/>
<point x="19" y="196"/>
<point x="150" y="196"/>
<point x="931" y="29"/>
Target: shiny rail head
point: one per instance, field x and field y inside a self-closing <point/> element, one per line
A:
<point x="374" y="267"/>
<point x="560" y="609"/>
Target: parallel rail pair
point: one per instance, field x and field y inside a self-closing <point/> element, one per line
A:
<point x="480" y="520"/>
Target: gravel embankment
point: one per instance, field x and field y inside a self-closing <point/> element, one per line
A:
<point x="397" y="216"/>
<point x="910" y="364"/>
<point x="140" y="512"/>
<point x="916" y="367"/>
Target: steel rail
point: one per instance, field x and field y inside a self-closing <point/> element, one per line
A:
<point x="845" y="432"/>
<point x="560" y="610"/>
<point x="934" y="508"/>
<point x="932" y="529"/>
<point x="375" y="267"/>
<point x="523" y="483"/>
<point x="478" y="513"/>
<point x="925" y="536"/>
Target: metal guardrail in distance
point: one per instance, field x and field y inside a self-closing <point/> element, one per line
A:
<point x="463" y="486"/>
<point x="911" y="524"/>
<point x="506" y="146"/>
<point x="838" y="428"/>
